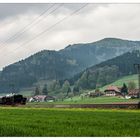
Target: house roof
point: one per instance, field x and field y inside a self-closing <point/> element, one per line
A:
<point x="40" y="97"/>
<point x="43" y="97"/>
<point x="112" y="88"/>
<point x="50" y="97"/>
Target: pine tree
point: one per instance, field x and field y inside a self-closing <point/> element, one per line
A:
<point x="45" y="90"/>
<point x="66" y="87"/>
<point x="124" y="90"/>
<point x="37" y="90"/>
<point x="54" y="86"/>
<point x="75" y="90"/>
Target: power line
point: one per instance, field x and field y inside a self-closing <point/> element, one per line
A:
<point x="48" y="29"/>
<point x="66" y="17"/>
<point x="26" y="27"/>
<point x="30" y="24"/>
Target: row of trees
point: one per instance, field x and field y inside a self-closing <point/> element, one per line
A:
<point x="98" y="78"/>
<point x="62" y="91"/>
<point x="107" y="72"/>
<point x="125" y="88"/>
<point x="38" y="91"/>
<point x="88" y="80"/>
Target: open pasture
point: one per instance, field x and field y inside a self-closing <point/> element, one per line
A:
<point x="78" y="100"/>
<point x="68" y="122"/>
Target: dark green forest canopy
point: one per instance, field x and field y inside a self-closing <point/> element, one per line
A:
<point x="108" y="71"/>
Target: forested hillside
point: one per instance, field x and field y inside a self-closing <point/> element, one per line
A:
<point x="47" y="65"/>
<point x="64" y="64"/>
<point x="93" y="53"/>
<point x="108" y="71"/>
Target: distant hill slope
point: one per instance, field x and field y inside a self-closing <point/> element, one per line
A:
<point x="43" y="65"/>
<point x="108" y="71"/>
<point x="125" y="79"/>
<point x="93" y="53"/>
<point x="49" y="65"/>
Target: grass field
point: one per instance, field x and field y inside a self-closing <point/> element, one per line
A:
<point x="78" y="100"/>
<point x="68" y="122"/>
<point x="98" y="100"/>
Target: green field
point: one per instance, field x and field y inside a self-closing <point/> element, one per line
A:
<point x="78" y="100"/>
<point x="68" y="122"/>
<point x="97" y="100"/>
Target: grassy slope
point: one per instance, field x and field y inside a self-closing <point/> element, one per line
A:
<point x="99" y="100"/>
<point x="118" y="83"/>
<point x="125" y="79"/>
<point x="68" y="122"/>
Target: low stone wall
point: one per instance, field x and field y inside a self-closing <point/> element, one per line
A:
<point x="116" y="105"/>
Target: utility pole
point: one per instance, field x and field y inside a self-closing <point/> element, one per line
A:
<point x="137" y="67"/>
<point x="55" y="67"/>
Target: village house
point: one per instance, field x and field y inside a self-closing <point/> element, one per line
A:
<point x="42" y="98"/>
<point x="112" y="91"/>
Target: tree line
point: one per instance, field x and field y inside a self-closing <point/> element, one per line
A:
<point x="55" y="88"/>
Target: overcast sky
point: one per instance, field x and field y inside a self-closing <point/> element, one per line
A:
<point x="22" y="26"/>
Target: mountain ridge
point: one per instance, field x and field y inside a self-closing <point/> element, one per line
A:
<point x="62" y="64"/>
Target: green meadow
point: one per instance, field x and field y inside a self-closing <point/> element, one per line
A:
<point x="68" y="122"/>
<point x="79" y="100"/>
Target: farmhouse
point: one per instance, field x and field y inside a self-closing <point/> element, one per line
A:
<point x="112" y="91"/>
<point x="42" y="98"/>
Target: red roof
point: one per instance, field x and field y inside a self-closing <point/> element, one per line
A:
<point x="112" y="88"/>
<point x="42" y="97"/>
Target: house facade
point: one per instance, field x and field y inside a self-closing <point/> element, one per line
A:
<point x="112" y="91"/>
<point x="42" y="98"/>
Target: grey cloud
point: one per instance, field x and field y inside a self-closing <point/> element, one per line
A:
<point x="12" y="9"/>
<point x="94" y="22"/>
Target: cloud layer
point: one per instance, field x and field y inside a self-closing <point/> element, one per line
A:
<point x="93" y="22"/>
